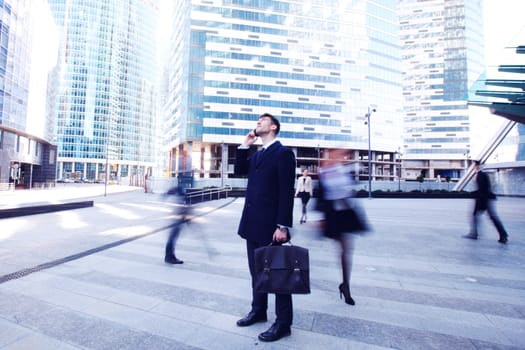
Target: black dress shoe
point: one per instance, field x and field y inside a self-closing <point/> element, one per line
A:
<point x="470" y="236"/>
<point x="172" y="260"/>
<point x="275" y="332"/>
<point x="251" y="318"/>
<point x="503" y="240"/>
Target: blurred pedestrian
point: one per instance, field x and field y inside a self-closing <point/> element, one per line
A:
<point x="484" y="202"/>
<point x="267" y="214"/>
<point x="342" y="215"/>
<point x="182" y="211"/>
<point x="304" y="191"/>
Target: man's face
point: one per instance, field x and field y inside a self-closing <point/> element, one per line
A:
<point x="264" y="126"/>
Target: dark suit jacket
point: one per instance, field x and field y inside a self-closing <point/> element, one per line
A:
<point x="270" y="192"/>
<point x="484" y="192"/>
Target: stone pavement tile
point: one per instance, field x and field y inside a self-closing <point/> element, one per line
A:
<point x="205" y="298"/>
<point x="51" y="296"/>
<point x="494" y="307"/>
<point x="11" y="333"/>
<point x="416" y="317"/>
<point x="79" y="295"/>
<point x="162" y="343"/>
<point x="387" y="335"/>
<point x="95" y="333"/>
<point x="19" y="338"/>
<point x="225" y="324"/>
<point x="508" y="297"/>
<point x="110" y="324"/>
<point x="511" y="328"/>
<point x="19" y="308"/>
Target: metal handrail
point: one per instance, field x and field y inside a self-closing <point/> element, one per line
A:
<point x="203" y="194"/>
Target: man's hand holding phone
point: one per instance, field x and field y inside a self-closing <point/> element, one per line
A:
<point x="250" y="138"/>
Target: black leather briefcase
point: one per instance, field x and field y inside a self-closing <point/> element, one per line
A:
<point x="282" y="269"/>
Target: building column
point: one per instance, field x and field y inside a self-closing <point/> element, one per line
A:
<point x="224" y="162"/>
<point x="61" y="170"/>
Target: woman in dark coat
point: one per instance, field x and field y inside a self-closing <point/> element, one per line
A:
<point x="341" y="214"/>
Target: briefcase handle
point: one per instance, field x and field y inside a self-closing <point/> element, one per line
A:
<point x="275" y="243"/>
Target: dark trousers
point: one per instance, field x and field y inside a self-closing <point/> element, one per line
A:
<point x="283" y="302"/>
<point x="305" y="197"/>
<point x="172" y="238"/>
<point x="479" y="208"/>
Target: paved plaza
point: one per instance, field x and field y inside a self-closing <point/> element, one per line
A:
<point x="94" y="278"/>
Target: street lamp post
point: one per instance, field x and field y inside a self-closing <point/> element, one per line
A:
<point x="222" y="164"/>
<point x="318" y="158"/>
<point x="367" y="122"/>
<point x="399" y="154"/>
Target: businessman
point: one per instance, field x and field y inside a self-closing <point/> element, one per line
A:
<point x="267" y="214"/>
<point x="484" y="198"/>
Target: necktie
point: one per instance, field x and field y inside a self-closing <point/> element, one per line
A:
<point x="259" y="156"/>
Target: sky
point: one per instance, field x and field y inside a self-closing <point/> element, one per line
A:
<point x="504" y="26"/>
<point x="503" y="20"/>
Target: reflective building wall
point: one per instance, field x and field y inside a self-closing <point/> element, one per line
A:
<point x="443" y="56"/>
<point x="15" y="62"/>
<point x="318" y="66"/>
<point x="26" y="154"/>
<point x="105" y="89"/>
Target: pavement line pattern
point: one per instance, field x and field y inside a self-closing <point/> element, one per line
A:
<point x="50" y="264"/>
<point x="416" y="283"/>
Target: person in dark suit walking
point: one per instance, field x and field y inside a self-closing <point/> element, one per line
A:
<point x="182" y="210"/>
<point x="267" y="215"/>
<point x="484" y="198"/>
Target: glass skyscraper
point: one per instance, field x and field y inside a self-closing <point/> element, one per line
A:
<point x="105" y="89"/>
<point x="318" y="66"/>
<point x="443" y="56"/>
<point x="27" y="157"/>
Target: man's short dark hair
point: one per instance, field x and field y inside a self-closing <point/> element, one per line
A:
<point x="477" y="162"/>
<point x="274" y="121"/>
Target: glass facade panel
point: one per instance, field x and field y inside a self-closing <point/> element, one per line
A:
<point x="106" y="99"/>
<point x="441" y="60"/>
<point x="317" y="66"/>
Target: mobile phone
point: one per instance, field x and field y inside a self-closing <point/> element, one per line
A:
<point x="255" y="133"/>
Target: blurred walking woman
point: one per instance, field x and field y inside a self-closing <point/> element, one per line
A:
<point x="341" y="214"/>
<point x="304" y="191"/>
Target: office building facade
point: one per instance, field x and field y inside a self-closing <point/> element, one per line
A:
<point x="27" y="156"/>
<point x="319" y="66"/>
<point x="443" y="56"/>
<point x="104" y="95"/>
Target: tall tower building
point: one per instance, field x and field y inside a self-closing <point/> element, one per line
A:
<point x="443" y="55"/>
<point x="105" y="91"/>
<point x="27" y="157"/>
<point x="319" y="66"/>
